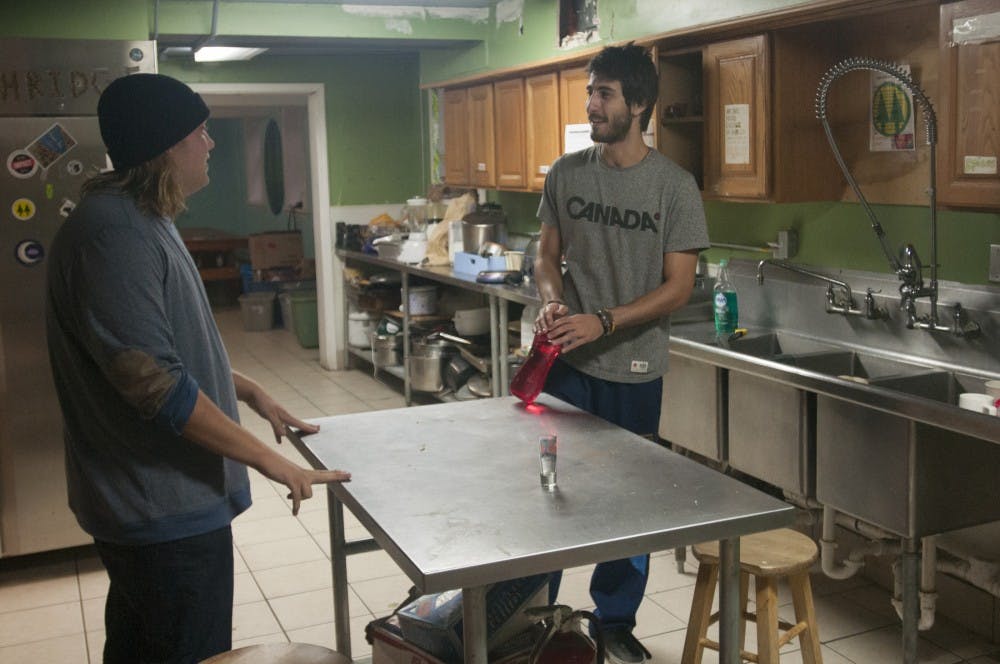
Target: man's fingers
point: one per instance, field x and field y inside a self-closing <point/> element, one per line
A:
<point x="325" y="476"/>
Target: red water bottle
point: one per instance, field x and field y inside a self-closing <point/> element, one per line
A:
<point x="530" y="378"/>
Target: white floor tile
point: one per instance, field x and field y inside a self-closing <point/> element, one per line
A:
<point x="283" y="552"/>
<point x="254" y="619"/>
<point x="293" y="579"/>
<point x="38" y="624"/>
<point x="52" y="583"/>
<point x="886" y="645"/>
<point x="59" y="650"/>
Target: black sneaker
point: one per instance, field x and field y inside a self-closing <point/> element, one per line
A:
<point x="623" y="648"/>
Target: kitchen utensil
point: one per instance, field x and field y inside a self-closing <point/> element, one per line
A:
<point x="359" y="327"/>
<point x="472" y="321"/>
<point x="479" y="385"/>
<point x="512" y="277"/>
<point x="486" y="224"/>
<point x="415" y="214"/>
<point x="427" y="361"/>
<point x="457" y="372"/>
<point x="492" y="249"/>
<point x="422" y="300"/>
<point x="515" y="260"/>
<point x="385" y="349"/>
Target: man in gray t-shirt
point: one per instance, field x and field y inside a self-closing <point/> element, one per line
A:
<point x="629" y="224"/>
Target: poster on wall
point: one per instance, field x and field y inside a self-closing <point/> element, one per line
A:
<point x="891" y="114"/>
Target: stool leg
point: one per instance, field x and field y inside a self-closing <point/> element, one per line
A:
<point x="802" y="599"/>
<point x="701" y="613"/>
<point x="744" y="596"/>
<point x="767" y="619"/>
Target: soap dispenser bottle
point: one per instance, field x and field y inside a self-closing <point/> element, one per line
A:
<point x="724" y="302"/>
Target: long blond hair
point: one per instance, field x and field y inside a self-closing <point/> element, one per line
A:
<point x="153" y="184"/>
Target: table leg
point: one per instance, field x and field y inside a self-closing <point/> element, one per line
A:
<point x="495" y="344"/>
<point x="338" y="564"/>
<point x="910" y="569"/>
<point x="474" y="624"/>
<point x="503" y="350"/>
<point x="729" y="601"/>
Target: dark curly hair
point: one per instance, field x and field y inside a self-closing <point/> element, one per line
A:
<point x="633" y="68"/>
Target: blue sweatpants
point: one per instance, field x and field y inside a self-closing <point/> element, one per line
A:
<point x="617" y="586"/>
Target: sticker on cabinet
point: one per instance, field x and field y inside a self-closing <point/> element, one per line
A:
<point x="978" y="165"/>
<point x="737" y="133"/>
<point x="891" y="114"/>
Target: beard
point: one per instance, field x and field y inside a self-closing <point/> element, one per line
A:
<point x="614" y="130"/>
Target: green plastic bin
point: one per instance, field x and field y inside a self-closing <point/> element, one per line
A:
<point x="305" y="318"/>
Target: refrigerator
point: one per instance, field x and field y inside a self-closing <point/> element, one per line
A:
<point x="50" y="143"/>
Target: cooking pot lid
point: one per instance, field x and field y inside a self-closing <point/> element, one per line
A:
<point x="480" y="385"/>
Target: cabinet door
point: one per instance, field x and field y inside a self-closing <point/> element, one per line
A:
<point x="510" y="133"/>
<point x="968" y="109"/>
<point x="482" y="152"/>
<point x="543" y="134"/>
<point x="456" y="137"/>
<point x="572" y="100"/>
<point x="737" y="111"/>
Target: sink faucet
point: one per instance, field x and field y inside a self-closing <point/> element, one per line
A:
<point x="909" y="269"/>
<point x="834" y="305"/>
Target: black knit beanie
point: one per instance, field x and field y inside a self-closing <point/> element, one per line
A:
<point x="143" y="115"/>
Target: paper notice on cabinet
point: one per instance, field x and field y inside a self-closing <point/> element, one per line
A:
<point x="737" y="141"/>
<point x="891" y="114"/>
<point x="577" y="137"/>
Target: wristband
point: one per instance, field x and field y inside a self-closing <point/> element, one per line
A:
<point x="607" y="321"/>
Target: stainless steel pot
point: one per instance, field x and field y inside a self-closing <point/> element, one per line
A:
<point x="427" y="361"/>
<point x="385" y="349"/>
<point x="487" y="224"/>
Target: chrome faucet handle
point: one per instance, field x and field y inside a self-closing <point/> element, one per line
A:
<point x="873" y="311"/>
<point x="962" y="325"/>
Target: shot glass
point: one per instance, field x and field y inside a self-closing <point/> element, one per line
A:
<point x="547" y="462"/>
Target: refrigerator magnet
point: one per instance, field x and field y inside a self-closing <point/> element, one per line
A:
<point x="21" y="165"/>
<point x="23" y="209"/>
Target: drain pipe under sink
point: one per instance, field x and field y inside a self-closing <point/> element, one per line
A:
<point x="880" y="545"/>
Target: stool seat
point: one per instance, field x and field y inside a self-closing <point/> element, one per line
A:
<point x="768" y="557"/>
<point x="279" y="653"/>
<point x="771" y="553"/>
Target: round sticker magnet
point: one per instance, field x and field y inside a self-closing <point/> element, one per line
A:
<point x="21" y="165"/>
<point x="23" y="209"/>
<point x="29" y="252"/>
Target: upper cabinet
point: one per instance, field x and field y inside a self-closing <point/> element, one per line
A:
<point x="573" y="96"/>
<point x="510" y="135"/>
<point x="737" y="138"/>
<point x="969" y="105"/>
<point x="543" y="133"/>
<point x="482" y="148"/>
<point x="456" y="136"/>
<point x="738" y="114"/>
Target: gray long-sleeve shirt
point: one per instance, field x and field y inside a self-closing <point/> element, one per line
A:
<point x="131" y="341"/>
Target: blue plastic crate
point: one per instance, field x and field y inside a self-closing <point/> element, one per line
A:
<point x="467" y="263"/>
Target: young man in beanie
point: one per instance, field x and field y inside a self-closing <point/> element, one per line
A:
<point x="155" y="456"/>
<point x="629" y="224"/>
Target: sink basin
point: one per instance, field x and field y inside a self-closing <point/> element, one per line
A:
<point x="850" y="364"/>
<point x="775" y="343"/>
<point x="944" y="386"/>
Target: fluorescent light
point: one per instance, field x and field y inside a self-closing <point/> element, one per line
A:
<point x="222" y="53"/>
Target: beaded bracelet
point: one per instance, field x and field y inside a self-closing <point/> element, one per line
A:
<point x="607" y="321"/>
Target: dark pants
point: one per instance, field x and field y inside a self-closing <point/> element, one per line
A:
<point x="169" y="602"/>
<point x="617" y="586"/>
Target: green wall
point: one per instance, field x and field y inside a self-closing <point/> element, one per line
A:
<point x="376" y="118"/>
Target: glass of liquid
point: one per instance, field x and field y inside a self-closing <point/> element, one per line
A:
<point x="547" y="462"/>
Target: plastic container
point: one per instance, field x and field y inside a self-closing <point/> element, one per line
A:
<point x="423" y="300"/>
<point x="285" y="304"/>
<point x="472" y="322"/>
<point x="530" y="378"/>
<point x="305" y="318"/>
<point x="257" y="310"/>
<point x="360" y="325"/>
<point x="725" y="305"/>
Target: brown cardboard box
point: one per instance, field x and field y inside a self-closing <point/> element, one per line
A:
<point x="275" y="249"/>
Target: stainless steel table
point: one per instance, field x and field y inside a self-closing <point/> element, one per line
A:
<point x="452" y="493"/>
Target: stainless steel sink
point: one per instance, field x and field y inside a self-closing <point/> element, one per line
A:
<point x="851" y="364"/>
<point x="944" y="386"/>
<point x="773" y="344"/>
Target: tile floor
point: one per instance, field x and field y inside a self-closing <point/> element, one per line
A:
<point x="51" y="604"/>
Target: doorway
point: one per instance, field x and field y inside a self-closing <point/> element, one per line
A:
<point x="329" y="284"/>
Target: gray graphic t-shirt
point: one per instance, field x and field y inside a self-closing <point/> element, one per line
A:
<point x="615" y="225"/>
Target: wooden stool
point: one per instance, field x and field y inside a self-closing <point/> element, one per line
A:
<point x="767" y="556"/>
<point x="279" y="653"/>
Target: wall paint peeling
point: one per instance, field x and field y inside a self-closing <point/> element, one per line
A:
<point x="400" y="25"/>
<point x="509" y="11"/>
<point x="470" y="14"/>
<point x="386" y="11"/>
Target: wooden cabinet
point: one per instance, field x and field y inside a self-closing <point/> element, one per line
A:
<point x="482" y="148"/>
<point x="968" y="108"/>
<point x="572" y="98"/>
<point x="510" y="134"/>
<point x="737" y="96"/>
<point x="543" y="133"/>
<point x="739" y="115"/>
<point x="456" y="136"/>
